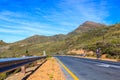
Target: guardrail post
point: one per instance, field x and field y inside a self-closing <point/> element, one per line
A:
<point x="23" y="69"/>
<point x="35" y="63"/>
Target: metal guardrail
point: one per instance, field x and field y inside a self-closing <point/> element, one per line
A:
<point x="7" y="64"/>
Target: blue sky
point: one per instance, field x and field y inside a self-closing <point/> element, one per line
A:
<point x="20" y="19"/>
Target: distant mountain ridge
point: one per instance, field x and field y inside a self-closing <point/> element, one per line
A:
<point x="2" y="42"/>
<point x="90" y="36"/>
<point x="42" y="39"/>
<point x="88" y="25"/>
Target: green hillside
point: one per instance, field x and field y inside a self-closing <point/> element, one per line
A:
<point x="106" y="38"/>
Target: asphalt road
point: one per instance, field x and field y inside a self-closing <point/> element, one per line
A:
<point x="90" y="69"/>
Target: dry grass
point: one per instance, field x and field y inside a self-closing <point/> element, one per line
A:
<point x="50" y="70"/>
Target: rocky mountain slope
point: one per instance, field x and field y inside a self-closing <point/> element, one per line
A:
<point x="86" y="26"/>
<point x="2" y="43"/>
<point x="42" y="39"/>
<point x="90" y="35"/>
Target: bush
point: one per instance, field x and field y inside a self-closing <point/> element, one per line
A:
<point x="3" y="76"/>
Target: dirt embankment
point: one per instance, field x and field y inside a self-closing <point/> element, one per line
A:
<point x="89" y="54"/>
<point x="50" y="70"/>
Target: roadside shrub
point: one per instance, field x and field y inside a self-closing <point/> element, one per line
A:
<point x="3" y="76"/>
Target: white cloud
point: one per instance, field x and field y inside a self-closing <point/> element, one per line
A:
<point x="67" y="16"/>
<point x="11" y="14"/>
<point x="10" y="31"/>
<point x="85" y="9"/>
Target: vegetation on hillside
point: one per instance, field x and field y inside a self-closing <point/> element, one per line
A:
<point x="106" y="38"/>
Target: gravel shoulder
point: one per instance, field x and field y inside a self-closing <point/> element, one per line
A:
<point x="50" y="70"/>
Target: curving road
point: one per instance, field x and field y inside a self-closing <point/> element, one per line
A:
<point x="90" y="69"/>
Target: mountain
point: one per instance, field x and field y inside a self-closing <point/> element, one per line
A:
<point x="42" y="39"/>
<point x="90" y="35"/>
<point x="2" y="42"/>
<point x="88" y="25"/>
<point x="34" y="39"/>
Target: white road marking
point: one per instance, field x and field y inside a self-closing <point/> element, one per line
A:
<point x="107" y="65"/>
<point x="103" y="64"/>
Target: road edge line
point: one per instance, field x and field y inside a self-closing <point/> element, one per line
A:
<point x="68" y="70"/>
